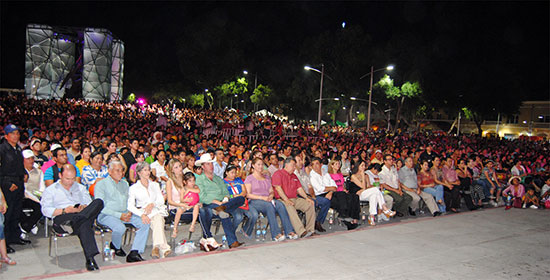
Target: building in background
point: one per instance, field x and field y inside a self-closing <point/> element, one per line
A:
<point x="73" y="62"/>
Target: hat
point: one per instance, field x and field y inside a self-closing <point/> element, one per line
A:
<point x="34" y="141"/>
<point x="28" y="153"/>
<point x="205" y="158"/>
<point x="10" y="128"/>
<point x="377" y="151"/>
<point x="514" y="177"/>
<point x="55" y="146"/>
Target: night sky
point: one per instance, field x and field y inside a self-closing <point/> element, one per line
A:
<point x="275" y="34"/>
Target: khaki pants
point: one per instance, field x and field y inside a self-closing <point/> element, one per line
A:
<point x="428" y="199"/>
<point x="304" y="206"/>
<point x="159" y="239"/>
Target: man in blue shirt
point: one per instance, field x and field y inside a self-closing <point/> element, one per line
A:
<point x="72" y="210"/>
<point x="51" y="175"/>
<point x="113" y="190"/>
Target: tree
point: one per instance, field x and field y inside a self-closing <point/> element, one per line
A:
<point x="131" y="98"/>
<point x="261" y="95"/>
<point x="409" y="90"/>
<point x="237" y="87"/>
<point x="197" y="100"/>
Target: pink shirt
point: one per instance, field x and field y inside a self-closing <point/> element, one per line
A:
<point x="339" y="180"/>
<point x="258" y="187"/>
<point x="194" y="196"/>
<point x="449" y="174"/>
<point x="519" y="192"/>
<point x="47" y="165"/>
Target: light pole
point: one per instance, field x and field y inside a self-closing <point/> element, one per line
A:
<point x="372" y="71"/>
<point x="320" y="91"/>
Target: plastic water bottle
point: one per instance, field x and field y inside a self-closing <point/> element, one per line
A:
<point x="224" y="242"/>
<point x="363" y="216"/>
<point x="330" y="219"/>
<point x="106" y="252"/>
<point x="264" y="232"/>
<point x="258" y="231"/>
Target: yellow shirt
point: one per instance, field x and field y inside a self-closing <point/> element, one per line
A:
<point x="80" y="164"/>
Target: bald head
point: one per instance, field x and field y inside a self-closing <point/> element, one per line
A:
<point x="67" y="175"/>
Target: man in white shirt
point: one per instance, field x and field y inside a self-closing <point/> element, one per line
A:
<point x="34" y="186"/>
<point x="323" y="185"/>
<point x="72" y="210"/>
<point x="219" y="164"/>
<point x="320" y="202"/>
<point x="389" y="180"/>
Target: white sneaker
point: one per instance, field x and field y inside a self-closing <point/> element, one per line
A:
<point x="281" y="238"/>
<point x="34" y="230"/>
<point x="533" y="207"/>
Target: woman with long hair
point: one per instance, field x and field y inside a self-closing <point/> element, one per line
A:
<point x="367" y="187"/>
<point x="427" y="182"/>
<point x="179" y="201"/>
<point x="145" y="200"/>
<point x="260" y="195"/>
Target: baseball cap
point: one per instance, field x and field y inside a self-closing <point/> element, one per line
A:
<point x="55" y="146"/>
<point x="34" y="141"/>
<point x="28" y="153"/>
<point x="10" y="128"/>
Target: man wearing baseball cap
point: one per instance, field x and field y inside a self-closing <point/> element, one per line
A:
<point x="11" y="182"/>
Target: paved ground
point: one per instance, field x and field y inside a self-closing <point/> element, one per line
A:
<point x="485" y="244"/>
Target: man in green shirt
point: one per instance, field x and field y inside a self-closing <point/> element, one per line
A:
<point x="113" y="190"/>
<point x="216" y="202"/>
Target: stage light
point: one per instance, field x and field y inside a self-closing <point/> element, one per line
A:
<point x="141" y="101"/>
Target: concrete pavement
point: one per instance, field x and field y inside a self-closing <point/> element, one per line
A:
<point x="484" y="244"/>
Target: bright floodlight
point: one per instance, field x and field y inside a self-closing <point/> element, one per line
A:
<point x="336" y="98"/>
<point x="390" y="67"/>
<point x="353" y="98"/>
<point x="307" y="68"/>
<point x="245" y="72"/>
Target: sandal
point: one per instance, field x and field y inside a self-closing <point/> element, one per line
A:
<point x="7" y="260"/>
<point x="389" y="213"/>
<point x="371" y="220"/>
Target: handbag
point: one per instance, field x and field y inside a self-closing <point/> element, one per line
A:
<point x="245" y="206"/>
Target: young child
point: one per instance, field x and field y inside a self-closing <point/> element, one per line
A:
<point x="530" y="199"/>
<point x="514" y="193"/>
<point x="190" y="195"/>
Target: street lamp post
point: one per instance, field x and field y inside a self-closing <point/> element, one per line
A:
<point x="320" y="92"/>
<point x="372" y="71"/>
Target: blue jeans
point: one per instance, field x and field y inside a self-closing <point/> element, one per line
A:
<point x="206" y="215"/>
<point x="2" y="237"/>
<point x="118" y="228"/>
<point x="270" y="211"/>
<point x="238" y="216"/>
<point x="487" y="187"/>
<point x="323" y="204"/>
<point x="437" y="192"/>
<point x="248" y="227"/>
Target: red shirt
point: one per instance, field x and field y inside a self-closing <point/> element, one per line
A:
<point x="288" y="182"/>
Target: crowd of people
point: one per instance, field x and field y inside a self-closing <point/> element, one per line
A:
<point x="84" y="164"/>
